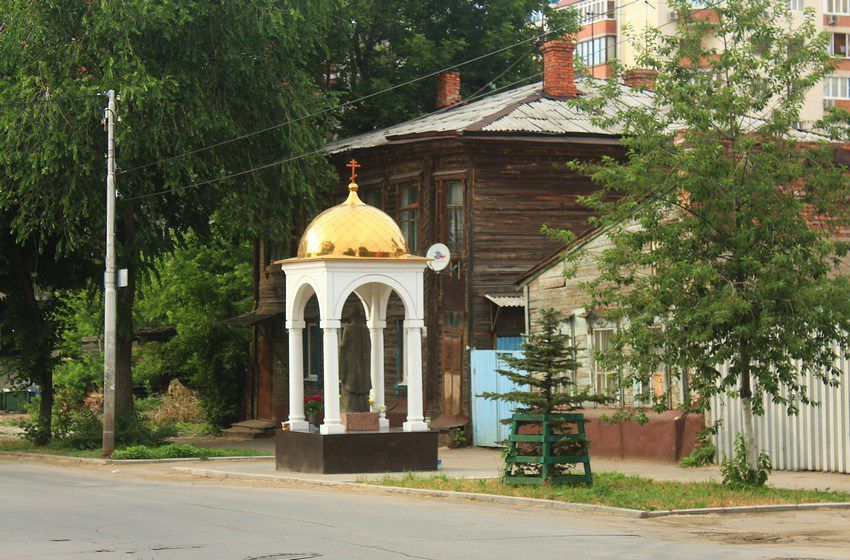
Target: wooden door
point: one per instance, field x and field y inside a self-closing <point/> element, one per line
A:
<point x="451" y="352"/>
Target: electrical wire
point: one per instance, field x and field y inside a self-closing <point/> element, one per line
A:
<point x="365" y="97"/>
<point x="320" y="150"/>
<point x="281" y="161"/>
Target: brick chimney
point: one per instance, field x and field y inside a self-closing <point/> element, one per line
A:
<point x="558" y="68"/>
<point x="448" y="89"/>
<point x="640" y="78"/>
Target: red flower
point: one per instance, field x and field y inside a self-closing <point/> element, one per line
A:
<point x="317" y="397"/>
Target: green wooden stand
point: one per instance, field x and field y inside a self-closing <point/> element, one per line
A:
<point x="514" y="461"/>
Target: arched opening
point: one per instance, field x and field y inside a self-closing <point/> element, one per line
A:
<point x="339" y="346"/>
<point x="355" y="351"/>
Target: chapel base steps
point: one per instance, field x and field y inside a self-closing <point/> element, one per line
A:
<point x="250" y="429"/>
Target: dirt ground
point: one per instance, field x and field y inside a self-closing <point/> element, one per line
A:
<point x="6" y="430"/>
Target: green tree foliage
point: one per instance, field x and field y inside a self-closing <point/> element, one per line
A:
<point x="32" y="273"/>
<point x="715" y="261"/>
<point x="547" y="367"/>
<point x="382" y="43"/>
<point x="737" y="471"/>
<point x="199" y="285"/>
<point x="188" y="74"/>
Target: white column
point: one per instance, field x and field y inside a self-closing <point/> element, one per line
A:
<point x="413" y="351"/>
<point x="376" y="339"/>
<point x="296" y="377"/>
<point x="330" y="351"/>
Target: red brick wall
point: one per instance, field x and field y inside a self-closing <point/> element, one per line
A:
<point x="448" y="89"/>
<point x="558" y="69"/>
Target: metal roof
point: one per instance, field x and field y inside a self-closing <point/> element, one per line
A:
<point x="255" y="316"/>
<point x="506" y="301"/>
<point x="523" y="110"/>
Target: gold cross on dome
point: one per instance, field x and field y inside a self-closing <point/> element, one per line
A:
<point x="354" y="166"/>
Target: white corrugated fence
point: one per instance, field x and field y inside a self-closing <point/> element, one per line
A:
<point x="816" y="439"/>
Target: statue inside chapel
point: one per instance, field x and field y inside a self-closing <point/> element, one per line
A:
<point x="354" y="357"/>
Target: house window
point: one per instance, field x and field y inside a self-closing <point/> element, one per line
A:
<point x="374" y="197"/>
<point x="454" y="216"/>
<point x="599" y="50"/>
<point x="838" y="45"/>
<point x="838" y="7"/>
<point x="796" y="5"/>
<point x="401" y="363"/>
<point x="591" y="11"/>
<point x="408" y="215"/>
<point x="311" y="342"/>
<point x="452" y="319"/>
<point x="605" y="381"/>
<point x="836" y="88"/>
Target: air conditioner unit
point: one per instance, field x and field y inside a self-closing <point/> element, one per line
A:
<point x="673" y="15"/>
<point x="831" y="19"/>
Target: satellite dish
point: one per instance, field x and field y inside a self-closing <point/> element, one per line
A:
<point x="439" y="256"/>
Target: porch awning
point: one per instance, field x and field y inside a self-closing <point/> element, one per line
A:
<point x="506" y="301"/>
<point x="254" y="317"/>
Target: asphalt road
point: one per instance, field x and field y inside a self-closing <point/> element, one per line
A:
<point x="63" y="512"/>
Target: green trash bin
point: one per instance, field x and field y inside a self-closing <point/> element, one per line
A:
<point x="15" y="400"/>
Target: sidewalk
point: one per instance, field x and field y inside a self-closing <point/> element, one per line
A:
<point x="480" y="462"/>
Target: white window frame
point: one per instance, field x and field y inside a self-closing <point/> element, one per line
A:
<point x="595" y="327"/>
<point x="836" y="7"/>
<point x="796" y="5"/>
<point x="308" y="359"/>
<point x="597" y="51"/>
<point x="846" y="53"/>
<point x="591" y="11"/>
<point x="836" y="87"/>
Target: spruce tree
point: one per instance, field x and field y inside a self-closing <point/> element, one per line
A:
<point x="547" y="368"/>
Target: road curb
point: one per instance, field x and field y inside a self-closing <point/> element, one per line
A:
<point x="67" y="459"/>
<point x="513" y="500"/>
<point x="470" y="496"/>
<point x="770" y="508"/>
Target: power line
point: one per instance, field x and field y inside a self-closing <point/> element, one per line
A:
<point x="285" y="160"/>
<point x="363" y="98"/>
<point x="320" y="150"/>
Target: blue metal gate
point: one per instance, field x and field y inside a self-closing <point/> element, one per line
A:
<point x="487" y="429"/>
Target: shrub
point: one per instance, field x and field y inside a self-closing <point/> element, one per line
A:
<point x="737" y="471"/>
<point x="703" y="453"/>
<point x="134" y="428"/>
<point x="76" y="378"/>
<point x="82" y="428"/>
<point x="179" y="404"/>
<point x="169" y="451"/>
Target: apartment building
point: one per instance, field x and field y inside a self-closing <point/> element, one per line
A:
<point x="608" y="23"/>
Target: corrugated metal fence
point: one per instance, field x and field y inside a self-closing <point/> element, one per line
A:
<point x="487" y="429"/>
<point x="816" y="439"/>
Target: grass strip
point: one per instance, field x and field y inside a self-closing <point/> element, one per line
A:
<point x="168" y="451"/>
<point x="620" y="490"/>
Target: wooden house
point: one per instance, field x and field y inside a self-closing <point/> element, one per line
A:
<point x="481" y="177"/>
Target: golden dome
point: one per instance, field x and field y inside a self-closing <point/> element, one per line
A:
<point x="352" y="229"/>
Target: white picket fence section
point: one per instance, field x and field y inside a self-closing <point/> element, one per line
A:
<point x="816" y="439"/>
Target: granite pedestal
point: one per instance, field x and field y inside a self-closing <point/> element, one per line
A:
<point x="390" y="450"/>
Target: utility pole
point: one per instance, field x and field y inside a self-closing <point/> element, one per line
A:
<point x="109" y="295"/>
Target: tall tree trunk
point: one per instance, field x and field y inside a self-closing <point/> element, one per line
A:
<point x="747" y="416"/>
<point x="124" y="336"/>
<point x="40" y="340"/>
<point x="45" y="407"/>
